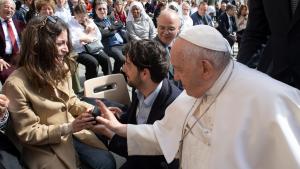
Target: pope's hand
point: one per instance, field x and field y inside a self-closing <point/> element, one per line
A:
<point x="101" y="129"/>
<point x="108" y="119"/>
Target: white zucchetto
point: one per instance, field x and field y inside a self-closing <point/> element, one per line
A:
<point x="207" y="37"/>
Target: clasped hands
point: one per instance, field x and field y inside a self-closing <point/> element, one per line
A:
<point x="107" y="124"/>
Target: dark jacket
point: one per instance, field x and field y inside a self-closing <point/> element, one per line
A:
<point x="19" y="26"/>
<point x="272" y="23"/>
<point x="166" y="96"/>
<point x="108" y="32"/>
<point x="223" y="27"/>
<point x="199" y="20"/>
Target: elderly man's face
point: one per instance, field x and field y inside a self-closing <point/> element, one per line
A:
<point x="167" y="28"/>
<point x="7" y="10"/>
<point x="101" y="11"/>
<point x="187" y="71"/>
<point x="202" y="9"/>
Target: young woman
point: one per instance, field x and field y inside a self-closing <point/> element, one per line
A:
<point x="241" y="21"/>
<point x="42" y="102"/>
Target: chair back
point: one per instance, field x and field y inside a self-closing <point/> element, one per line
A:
<point x="112" y="87"/>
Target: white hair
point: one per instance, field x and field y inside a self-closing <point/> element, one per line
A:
<point x="2" y="2"/>
<point x="192" y="53"/>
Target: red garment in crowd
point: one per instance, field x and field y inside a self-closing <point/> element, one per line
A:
<point x="121" y="17"/>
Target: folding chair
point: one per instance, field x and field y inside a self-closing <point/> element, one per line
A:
<point x="112" y="87"/>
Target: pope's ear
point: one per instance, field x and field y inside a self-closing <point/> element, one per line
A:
<point x="208" y="69"/>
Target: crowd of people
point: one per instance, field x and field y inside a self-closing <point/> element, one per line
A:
<point x="193" y="105"/>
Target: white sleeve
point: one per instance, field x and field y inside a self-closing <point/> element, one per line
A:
<point x="141" y="140"/>
<point x="164" y="135"/>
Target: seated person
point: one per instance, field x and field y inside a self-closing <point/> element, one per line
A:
<point x="10" y="39"/>
<point x="8" y="152"/>
<point x="111" y="34"/>
<point x="120" y="13"/>
<point x="42" y="103"/>
<point x="138" y="24"/>
<point x="45" y="7"/>
<point x="146" y="69"/>
<point x="83" y="31"/>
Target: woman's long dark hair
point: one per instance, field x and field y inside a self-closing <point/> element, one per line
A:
<point x="39" y="53"/>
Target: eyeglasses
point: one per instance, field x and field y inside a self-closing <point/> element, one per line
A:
<point x="166" y="28"/>
<point x="99" y="9"/>
<point x="52" y="19"/>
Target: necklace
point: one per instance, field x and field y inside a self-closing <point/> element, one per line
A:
<point x="183" y="133"/>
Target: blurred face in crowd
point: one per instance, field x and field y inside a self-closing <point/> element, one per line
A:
<point x="223" y="6"/>
<point x="217" y="6"/>
<point x="101" y="11"/>
<point x="119" y="6"/>
<point x="132" y="73"/>
<point x="202" y="9"/>
<point x="46" y="10"/>
<point x="61" y="43"/>
<point x="7" y="9"/>
<point x="60" y="3"/>
<point x="185" y="9"/>
<point x="232" y="12"/>
<point x="81" y="17"/>
<point x="244" y="11"/>
<point x="28" y="2"/>
<point x="168" y="27"/>
<point x="136" y="12"/>
<point x="110" y="2"/>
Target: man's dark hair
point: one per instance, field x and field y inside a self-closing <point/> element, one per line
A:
<point x="148" y="54"/>
<point x="230" y="7"/>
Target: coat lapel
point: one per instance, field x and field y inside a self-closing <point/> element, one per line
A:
<point x="62" y="88"/>
<point x="156" y="112"/>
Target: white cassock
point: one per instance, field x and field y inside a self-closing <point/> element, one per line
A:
<point x="253" y="122"/>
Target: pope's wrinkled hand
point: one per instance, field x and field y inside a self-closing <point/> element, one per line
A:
<point x="108" y="119"/>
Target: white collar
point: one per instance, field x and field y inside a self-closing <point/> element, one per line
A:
<point x="220" y="82"/>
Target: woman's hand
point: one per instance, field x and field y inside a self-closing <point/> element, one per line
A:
<point x="83" y="121"/>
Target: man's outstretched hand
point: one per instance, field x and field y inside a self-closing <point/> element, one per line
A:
<point x="109" y="120"/>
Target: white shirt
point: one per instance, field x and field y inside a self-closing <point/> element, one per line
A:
<point x="8" y="44"/>
<point x="145" y="104"/>
<point x="77" y="31"/>
<point x="63" y="13"/>
<point x="186" y="22"/>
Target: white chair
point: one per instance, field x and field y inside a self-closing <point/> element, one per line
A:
<point x="113" y="87"/>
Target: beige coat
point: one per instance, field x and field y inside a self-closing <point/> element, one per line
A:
<point x="36" y="115"/>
